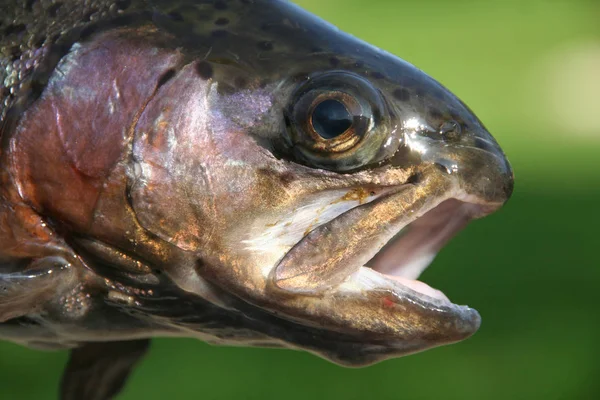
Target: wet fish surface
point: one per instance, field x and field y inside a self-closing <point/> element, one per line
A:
<point x="237" y="171"/>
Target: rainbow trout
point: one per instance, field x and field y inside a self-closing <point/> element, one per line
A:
<point x="237" y="171"/>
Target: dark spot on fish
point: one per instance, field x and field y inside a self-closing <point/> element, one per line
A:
<point x="402" y="94"/>
<point x="123" y="4"/>
<point x="204" y="70"/>
<point x="87" y="31"/>
<point x="316" y="50"/>
<point x="334" y="61"/>
<point x="377" y="75"/>
<point x="29" y="5"/>
<point x="414" y="179"/>
<point x="58" y="50"/>
<point x="39" y="42"/>
<point x="130" y="19"/>
<point x="435" y="113"/>
<point x="220" y="5"/>
<point x="219" y="34"/>
<point x="286" y="178"/>
<point x="221" y="21"/>
<point x="53" y="9"/>
<point x="165" y="77"/>
<point x="36" y="88"/>
<point x="127" y="19"/>
<point x="439" y="94"/>
<point x="407" y="82"/>
<point x="88" y="16"/>
<point x="300" y="76"/>
<point x="265" y="45"/>
<point x="175" y="16"/>
<point x="265" y="26"/>
<point x="15" y="29"/>
<point x="240" y="82"/>
<point x="15" y="53"/>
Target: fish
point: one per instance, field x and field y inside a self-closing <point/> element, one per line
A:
<point x="237" y="171"/>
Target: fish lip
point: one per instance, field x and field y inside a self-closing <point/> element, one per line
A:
<point x="365" y="352"/>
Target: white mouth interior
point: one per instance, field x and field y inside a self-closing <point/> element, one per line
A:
<point x="404" y="258"/>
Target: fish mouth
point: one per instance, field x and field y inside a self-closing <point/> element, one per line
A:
<point x="408" y="254"/>
<point x="354" y="275"/>
<point x="358" y="273"/>
<point x="396" y="236"/>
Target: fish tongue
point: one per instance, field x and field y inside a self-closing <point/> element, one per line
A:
<point x="333" y="251"/>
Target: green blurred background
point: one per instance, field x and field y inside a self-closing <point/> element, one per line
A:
<point x="531" y="72"/>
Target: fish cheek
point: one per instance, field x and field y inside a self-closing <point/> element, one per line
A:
<point x="170" y="188"/>
<point x="195" y="168"/>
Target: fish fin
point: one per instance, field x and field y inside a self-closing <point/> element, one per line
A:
<point x="98" y="371"/>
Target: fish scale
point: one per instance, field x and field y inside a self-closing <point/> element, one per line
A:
<point x="34" y="34"/>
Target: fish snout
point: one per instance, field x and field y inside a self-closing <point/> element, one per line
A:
<point x="480" y="167"/>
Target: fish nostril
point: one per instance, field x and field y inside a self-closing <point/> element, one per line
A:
<point x="450" y="129"/>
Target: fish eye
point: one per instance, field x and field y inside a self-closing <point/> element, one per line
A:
<point x="330" y="119"/>
<point x="336" y="121"/>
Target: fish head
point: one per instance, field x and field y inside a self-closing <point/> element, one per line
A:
<point x="313" y="177"/>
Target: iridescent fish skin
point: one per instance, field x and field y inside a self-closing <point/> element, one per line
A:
<point x="237" y="171"/>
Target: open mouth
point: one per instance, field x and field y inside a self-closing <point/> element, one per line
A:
<point x="357" y="272"/>
<point x="404" y="258"/>
<point x="383" y="245"/>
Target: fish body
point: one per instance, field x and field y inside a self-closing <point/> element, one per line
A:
<point x="237" y="171"/>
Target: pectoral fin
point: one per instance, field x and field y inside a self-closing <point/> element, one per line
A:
<point x="98" y="371"/>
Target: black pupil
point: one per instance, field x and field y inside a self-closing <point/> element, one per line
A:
<point x="330" y="119"/>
